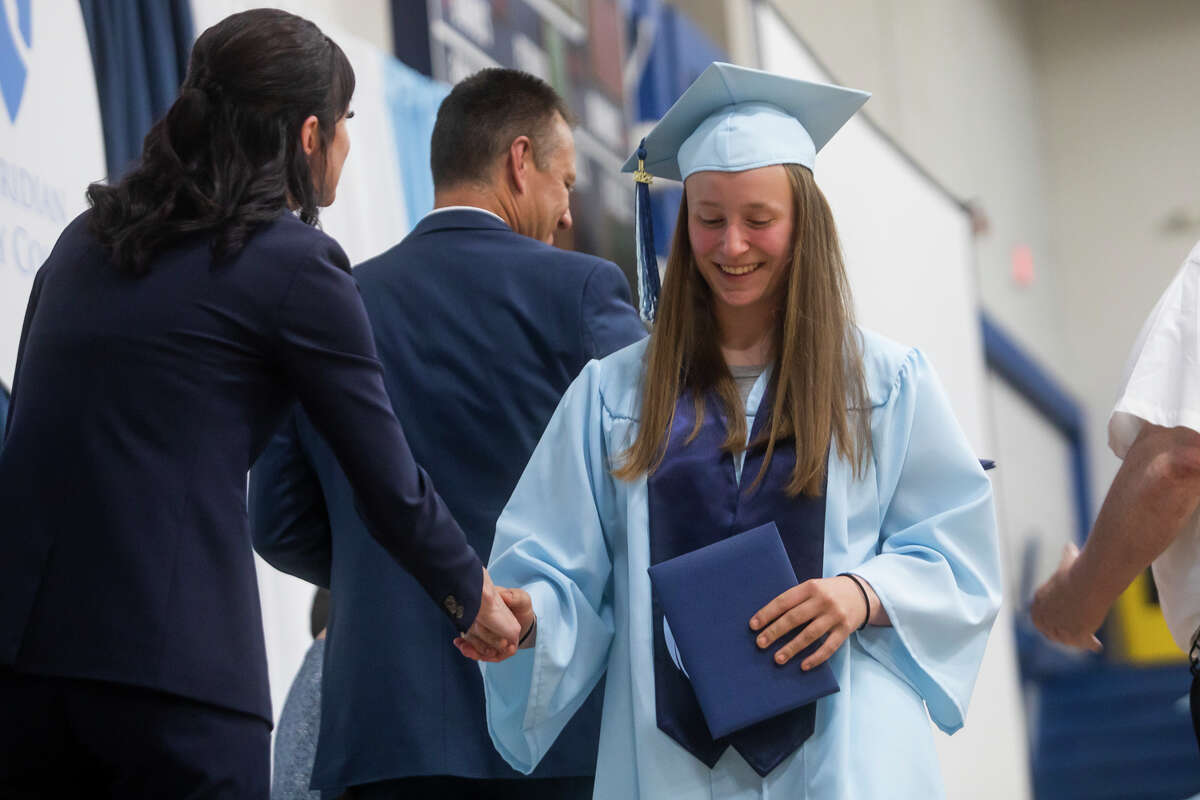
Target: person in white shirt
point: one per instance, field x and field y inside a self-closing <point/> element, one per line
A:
<point x="1150" y="513"/>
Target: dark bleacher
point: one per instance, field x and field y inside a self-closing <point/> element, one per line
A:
<point x="1114" y="732"/>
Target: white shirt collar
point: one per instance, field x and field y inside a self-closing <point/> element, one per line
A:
<point x="465" y="208"/>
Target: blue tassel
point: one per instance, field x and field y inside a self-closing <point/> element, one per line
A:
<point x="647" y="260"/>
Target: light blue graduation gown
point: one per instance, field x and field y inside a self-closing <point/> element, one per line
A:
<point x="919" y="525"/>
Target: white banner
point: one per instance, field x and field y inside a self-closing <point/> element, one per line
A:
<point x="51" y="145"/>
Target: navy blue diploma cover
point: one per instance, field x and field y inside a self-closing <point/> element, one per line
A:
<point x="708" y="597"/>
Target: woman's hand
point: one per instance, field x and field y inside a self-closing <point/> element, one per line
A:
<point x="519" y="604"/>
<point x="832" y="606"/>
<point x="494" y="634"/>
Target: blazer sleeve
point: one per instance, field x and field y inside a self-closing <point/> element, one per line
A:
<point x="30" y="308"/>
<point x="609" y="321"/>
<point x="288" y="517"/>
<point x="327" y="353"/>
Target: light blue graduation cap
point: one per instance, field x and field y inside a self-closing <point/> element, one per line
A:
<point x="729" y="120"/>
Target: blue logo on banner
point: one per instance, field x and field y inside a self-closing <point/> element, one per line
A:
<point x="13" y="70"/>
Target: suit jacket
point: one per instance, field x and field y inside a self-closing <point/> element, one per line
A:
<point x="138" y="406"/>
<point x="480" y="331"/>
<point x="3" y="411"/>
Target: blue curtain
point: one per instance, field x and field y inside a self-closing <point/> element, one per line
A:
<point x="413" y="101"/>
<point x="410" y="34"/>
<point x="140" y="50"/>
<point x="680" y="53"/>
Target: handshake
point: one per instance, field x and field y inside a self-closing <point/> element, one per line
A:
<point x="505" y="620"/>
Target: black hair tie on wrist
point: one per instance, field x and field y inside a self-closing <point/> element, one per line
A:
<point x="525" y="636"/>
<point x="862" y="589"/>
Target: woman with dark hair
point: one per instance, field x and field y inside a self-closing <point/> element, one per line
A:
<point x="166" y="335"/>
<point x="756" y="406"/>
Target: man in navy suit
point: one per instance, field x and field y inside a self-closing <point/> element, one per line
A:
<point x="480" y="325"/>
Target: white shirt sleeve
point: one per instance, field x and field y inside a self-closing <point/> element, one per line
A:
<point x="1162" y="377"/>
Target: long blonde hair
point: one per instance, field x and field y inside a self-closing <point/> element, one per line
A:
<point x="819" y="386"/>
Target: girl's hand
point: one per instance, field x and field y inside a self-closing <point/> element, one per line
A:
<point x="832" y="606"/>
<point x="519" y="603"/>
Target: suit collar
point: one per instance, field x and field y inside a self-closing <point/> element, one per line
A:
<point x="459" y="217"/>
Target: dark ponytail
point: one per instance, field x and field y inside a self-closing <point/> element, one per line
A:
<point x="227" y="155"/>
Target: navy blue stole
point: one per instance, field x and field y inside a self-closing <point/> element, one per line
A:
<point x="695" y="500"/>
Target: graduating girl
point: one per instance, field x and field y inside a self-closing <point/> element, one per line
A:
<point x="756" y="399"/>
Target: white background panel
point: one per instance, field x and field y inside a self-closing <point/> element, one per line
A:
<point x="48" y="154"/>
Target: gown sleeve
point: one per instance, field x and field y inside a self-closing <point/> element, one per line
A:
<point x="551" y="540"/>
<point x="937" y="567"/>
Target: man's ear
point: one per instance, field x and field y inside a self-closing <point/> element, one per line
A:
<point x="310" y="135"/>
<point x="519" y="162"/>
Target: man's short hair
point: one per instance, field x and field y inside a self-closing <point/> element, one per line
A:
<point x="483" y="114"/>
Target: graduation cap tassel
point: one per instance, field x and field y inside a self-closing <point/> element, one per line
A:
<point x="647" y="260"/>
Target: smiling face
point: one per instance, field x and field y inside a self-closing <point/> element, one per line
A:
<point x="740" y="228"/>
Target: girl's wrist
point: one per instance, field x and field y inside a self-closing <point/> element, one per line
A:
<point x="866" y="597"/>
<point x="528" y="636"/>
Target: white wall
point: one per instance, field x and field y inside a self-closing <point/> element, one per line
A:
<point x="1122" y="124"/>
<point x="1036" y="463"/>
<point x="369" y="20"/>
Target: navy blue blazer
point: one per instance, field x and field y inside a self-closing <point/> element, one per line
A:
<point x="480" y="331"/>
<point x="138" y="406"/>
